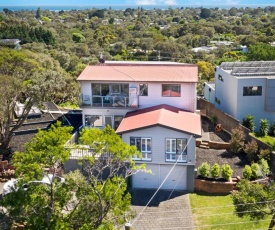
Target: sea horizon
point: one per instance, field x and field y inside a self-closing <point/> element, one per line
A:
<point x="57" y="7"/>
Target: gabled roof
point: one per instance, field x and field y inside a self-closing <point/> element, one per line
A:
<point x="162" y="115"/>
<point x="140" y="72"/>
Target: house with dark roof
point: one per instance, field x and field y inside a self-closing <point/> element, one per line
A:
<point x="243" y="88"/>
<point x="152" y="105"/>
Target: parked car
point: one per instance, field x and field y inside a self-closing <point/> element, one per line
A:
<point x="11" y="185"/>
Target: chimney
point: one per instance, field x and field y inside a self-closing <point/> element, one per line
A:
<point x="101" y="60"/>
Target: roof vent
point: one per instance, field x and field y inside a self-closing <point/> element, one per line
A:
<point x="101" y="60"/>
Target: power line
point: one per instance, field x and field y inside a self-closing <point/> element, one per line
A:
<point x="160" y="184"/>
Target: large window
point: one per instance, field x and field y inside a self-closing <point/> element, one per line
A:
<point x="143" y="89"/>
<point x="170" y="90"/>
<point x="252" y="91"/>
<point x="110" y="89"/>
<point x="102" y="121"/>
<point x="176" y="149"/>
<point x="93" y="120"/>
<point x="144" y="145"/>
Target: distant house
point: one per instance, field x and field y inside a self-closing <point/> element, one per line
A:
<point x="152" y="105"/>
<point x="206" y="49"/>
<point x="243" y="88"/>
<point x="12" y="43"/>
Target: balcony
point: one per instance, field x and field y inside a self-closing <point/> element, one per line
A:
<point x="110" y="100"/>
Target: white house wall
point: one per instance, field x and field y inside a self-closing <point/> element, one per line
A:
<point x="226" y="92"/>
<point x="186" y="101"/>
<point x="158" y="135"/>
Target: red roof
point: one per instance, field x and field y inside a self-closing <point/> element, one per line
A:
<point x="163" y="115"/>
<point x="140" y="73"/>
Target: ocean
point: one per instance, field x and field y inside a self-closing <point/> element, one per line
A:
<point x="120" y="7"/>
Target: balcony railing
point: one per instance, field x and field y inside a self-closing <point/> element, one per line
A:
<point x="108" y="101"/>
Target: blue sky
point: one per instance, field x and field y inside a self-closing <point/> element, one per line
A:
<point x="137" y="2"/>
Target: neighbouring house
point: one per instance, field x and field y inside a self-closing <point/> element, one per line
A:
<point x="209" y="91"/>
<point x="12" y="43"/>
<point x="243" y="88"/>
<point x="151" y="105"/>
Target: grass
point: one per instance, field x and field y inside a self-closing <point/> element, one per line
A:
<point x="218" y="213"/>
<point x="270" y="140"/>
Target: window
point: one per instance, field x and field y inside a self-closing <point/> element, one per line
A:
<point x="176" y="149"/>
<point x="144" y="145"/>
<point x="252" y="91"/>
<point x="170" y="90"/>
<point x="93" y="120"/>
<point x="143" y="89"/>
<point x="220" y="77"/>
<point x="107" y="89"/>
<point x="117" y="121"/>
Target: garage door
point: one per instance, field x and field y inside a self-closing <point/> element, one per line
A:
<point x="176" y="180"/>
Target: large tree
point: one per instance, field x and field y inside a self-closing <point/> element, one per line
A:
<point x="27" y="78"/>
<point x="97" y="200"/>
<point x="255" y="201"/>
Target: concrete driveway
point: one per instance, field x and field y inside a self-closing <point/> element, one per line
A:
<point x="168" y="210"/>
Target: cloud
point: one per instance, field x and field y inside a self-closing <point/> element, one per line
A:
<point x="156" y="2"/>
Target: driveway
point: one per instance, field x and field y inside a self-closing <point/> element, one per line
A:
<point x="168" y="210"/>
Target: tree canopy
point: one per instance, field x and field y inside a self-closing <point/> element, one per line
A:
<point x="95" y="198"/>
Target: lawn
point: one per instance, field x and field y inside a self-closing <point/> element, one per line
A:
<point x="216" y="212"/>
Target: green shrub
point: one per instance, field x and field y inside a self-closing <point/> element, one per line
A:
<point x="215" y="171"/>
<point x="237" y="140"/>
<point x="204" y="170"/>
<point x="264" y="127"/>
<point x="264" y="167"/>
<point x="256" y="171"/>
<point x="226" y="172"/>
<point x="251" y="149"/>
<point x="213" y="119"/>
<point x="272" y="128"/>
<point x="247" y="172"/>
<point x="265" y="154"/>
<point x="248" y="122"/>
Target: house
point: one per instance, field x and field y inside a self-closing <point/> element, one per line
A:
<point x="243" y="88"/>
<point x="151" y="105"/>
<point x="13" y="43"/>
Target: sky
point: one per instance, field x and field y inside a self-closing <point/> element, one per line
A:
<point x="137" y="2"/>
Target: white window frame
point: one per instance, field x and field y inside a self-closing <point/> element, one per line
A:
<point x="145" y="147"/>
<point x="171" y="152"/>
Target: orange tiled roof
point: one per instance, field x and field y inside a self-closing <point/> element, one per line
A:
<point x="163" y="115"/>
<point x="140" y="73"/>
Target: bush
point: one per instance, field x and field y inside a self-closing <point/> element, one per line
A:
<point x="204" y="170"/>
<point x="248" y="122"/>
<point x="264" y="127"/>
<point x="264" y="167"/>
<point x="215" y="171"/>
<point x="226" y="172"/>
<point x="247" y="172"/>
<point x="251" y="149"/>
<point x="272" y="128"/>
<point x="213" y="119"/>
<point x="265" y="154"/>
<point x="256" y="171"/>
<point x="237" y="140"/>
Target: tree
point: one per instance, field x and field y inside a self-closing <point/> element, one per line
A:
<point x="264" y="127"/>
<point x="15" y="70"/>
<point x="39" y="207"/>
<point x="77" y="37"/>
<point x="38" y="13"/>
<point x="206" y="70"/>
<point x="93" y="199"/>
<point x="255" y="201"/>
<point x="237" y="140"/>
<point x="205" y="13"/>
